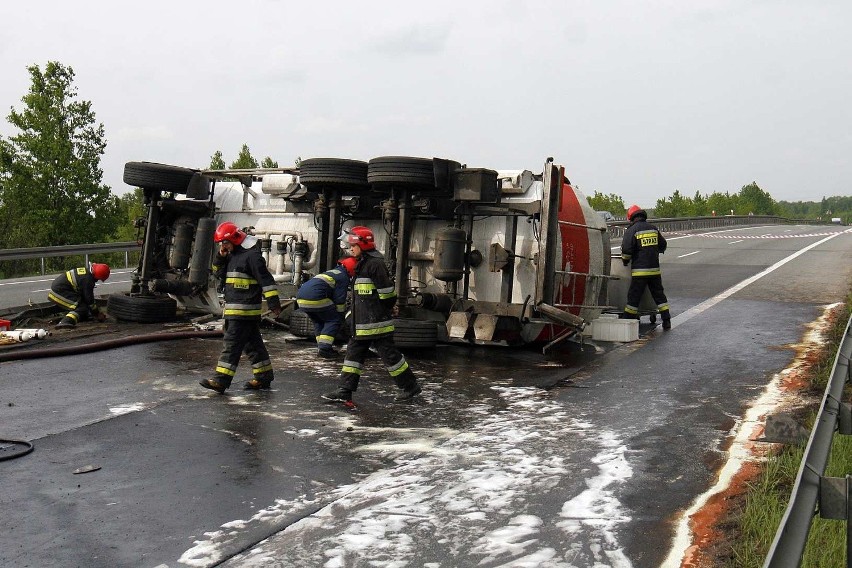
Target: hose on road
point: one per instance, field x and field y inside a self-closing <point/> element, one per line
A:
<point x="107" y="344"/>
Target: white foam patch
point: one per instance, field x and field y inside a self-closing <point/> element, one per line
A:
<point x="472" y="498"/>
<point x="127" y="408"/>
<point x="773" y="398"/>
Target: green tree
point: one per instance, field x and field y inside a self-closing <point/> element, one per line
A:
<point x="675" y="206"/>
<point x="752" y="199"/>
<point x="217" y="162"/>
<point x="720" y="203"/>
<point x="268" y="162"/>
<point x="699" y="205"/>
<point x="50" y="175"/>
<point x="612" y="203"/>
<point x="245" y="160"/>
<point x="132" y="208"/>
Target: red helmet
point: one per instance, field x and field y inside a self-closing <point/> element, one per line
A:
<point x="100" y="271"/>
<point x="228" y="231"/>
<point x="349" y="264"/>
<point x="361" y="236"/>
<point x="633" y="211"/>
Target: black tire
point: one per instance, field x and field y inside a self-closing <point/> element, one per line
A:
<point x="141" y="309"/>
<point x="163" y="177"/>
<point x="415" y="334"/>
<point x="301" y="325"/>
<point x="334" y="172"/>
<point x="402" y="170"/>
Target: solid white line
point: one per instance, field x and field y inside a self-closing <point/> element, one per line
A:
<point x="683" y="536"/>
<point x="710" y="302"/>
<point x="689" y="254"/>
<point x="735" y="242"/>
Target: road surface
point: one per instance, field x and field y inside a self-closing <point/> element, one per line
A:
<point x="588" y="456"/>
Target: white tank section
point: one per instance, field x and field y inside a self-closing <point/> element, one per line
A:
<point x="271" y="210"/>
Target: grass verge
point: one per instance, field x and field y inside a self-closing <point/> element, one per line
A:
<point x="751" y="523"/>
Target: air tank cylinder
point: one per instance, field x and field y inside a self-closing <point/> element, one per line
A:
<point x="202" y="254"/>
<point x="449" y="254"/>
<point x="182" y="247"/>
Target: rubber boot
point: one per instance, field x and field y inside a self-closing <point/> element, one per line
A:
<point x="66" y="323"/>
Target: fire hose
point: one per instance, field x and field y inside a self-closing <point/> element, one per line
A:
<point x="107" y="344"/>
<point x="10" y="449"/>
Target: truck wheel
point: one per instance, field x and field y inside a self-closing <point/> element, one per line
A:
<point x="163" y="177"/>
<point x="301" y="325"/>
<point x="415" y="334"/>
<point x="141" y="309"/>
<point x="430" y="176"/>
<point x="335" y="172"/>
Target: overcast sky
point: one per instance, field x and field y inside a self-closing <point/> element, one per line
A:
<point x="634" y="98"/>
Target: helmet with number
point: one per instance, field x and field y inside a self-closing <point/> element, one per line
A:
<point x="361" y="236"/>
<point x="349" y="264"/>
<point x="228" y="231"/>
<point x="634" y="211"/>
<point x="100" y="271"/>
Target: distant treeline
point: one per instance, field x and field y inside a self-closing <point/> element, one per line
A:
<point x="751" y="199"/>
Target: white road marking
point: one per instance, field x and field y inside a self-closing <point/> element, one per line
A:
<point x="710" y="302"/>
<point x="689" y="254"/>
<point x="735" y="242"/>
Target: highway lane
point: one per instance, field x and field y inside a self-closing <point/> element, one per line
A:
<point x="16" y="292"/>
<point x="577" y="458"/>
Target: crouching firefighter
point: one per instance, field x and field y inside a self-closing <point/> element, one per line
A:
<point x="75" y="291"/>
<point x="641" y="248"/>
<point x="247" y="283"/>
<point x="323" y="299"/>
<point x="373" y="299"/>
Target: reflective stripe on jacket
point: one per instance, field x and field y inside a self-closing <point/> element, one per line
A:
<point x="373" y="298"/>
<point x="326" y="289"/>
<point x="247" y="283"/>
<point x="641" y="247"/>
<point x="76" y="282"/>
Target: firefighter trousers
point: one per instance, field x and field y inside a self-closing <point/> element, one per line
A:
<point x="70" y="300"/>
<point x="356" y="353"/>
<point x="243" y="335"/>
<point x="327" y="322"/>
<point x="637" y="288"/>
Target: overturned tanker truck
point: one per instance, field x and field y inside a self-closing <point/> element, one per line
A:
<point x="478" y="255"/>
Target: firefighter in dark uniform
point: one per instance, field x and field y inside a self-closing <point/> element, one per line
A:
<point x="373" y="300"/>
<point x="247" y="283"/>
<point x="323" y="298"/>
<point x="641" y="248"/>
<point x="75" y="291"/>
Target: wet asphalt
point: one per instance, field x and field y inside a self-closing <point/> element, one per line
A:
<point x="487" y="468"/>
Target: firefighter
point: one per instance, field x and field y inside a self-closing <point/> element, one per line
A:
<point x="373" y="301"/>
<point x="75" y="291"/>
<point x="247" y="283"/>
<point x="323" y="298"/>
<point x="641" y="248"/>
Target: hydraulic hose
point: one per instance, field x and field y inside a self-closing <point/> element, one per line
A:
<point x="107" y="344"/>
<point x="27" y="448"/>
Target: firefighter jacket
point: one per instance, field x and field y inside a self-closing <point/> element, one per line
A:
<point x="324" y="290"/>
<point x="77" y="282"/>
<point x="247" y="283"/>
<point x="642" y="245"/>
<point x="373" y="298"/>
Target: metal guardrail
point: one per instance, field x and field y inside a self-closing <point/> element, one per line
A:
<point x="671" y="224"/>
<point x="792" y="535"/>
<point x="70" y="250"/>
